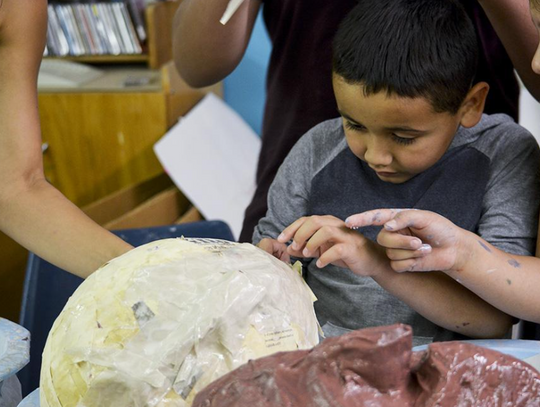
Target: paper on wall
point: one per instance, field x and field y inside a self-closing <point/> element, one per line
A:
<point x="211" y="155"/>
<point x="230" y="10"/>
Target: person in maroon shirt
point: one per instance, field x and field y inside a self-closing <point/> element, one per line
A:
<point x="299" y="87"/>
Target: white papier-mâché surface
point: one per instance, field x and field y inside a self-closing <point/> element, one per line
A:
<point x="156" y="325"/>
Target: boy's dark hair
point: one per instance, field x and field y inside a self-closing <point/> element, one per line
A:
<point x="535" y="4"/>
<point x="411" y="48"/>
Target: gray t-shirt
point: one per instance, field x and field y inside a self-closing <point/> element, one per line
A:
<point x="487" y="182"/>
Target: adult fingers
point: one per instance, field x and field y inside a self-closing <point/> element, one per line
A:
<point x="436" y="260"/>
<point x="399" y="255"/>
<point x="374" y="217"/>
<point x="393" y="240"/>
<point x="413" y="219"/>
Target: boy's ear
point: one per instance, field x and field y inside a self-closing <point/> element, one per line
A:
<point x="473" y="106"/>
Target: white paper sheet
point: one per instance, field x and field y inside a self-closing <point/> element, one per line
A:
<point x="534" y="361"/>
<point x="230" y="10"/>
<point x="211" y="155"/>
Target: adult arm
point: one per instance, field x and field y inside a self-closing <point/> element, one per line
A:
<point x="512" y="22"/>
<point x="508" y="282"/>
<point x="32" y="211"/>
<point x="204" y="50"/>
<point x="439" y="298"/>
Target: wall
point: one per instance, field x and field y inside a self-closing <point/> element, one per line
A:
<point x="244" y="88"/>
<point x="529" y="114"/>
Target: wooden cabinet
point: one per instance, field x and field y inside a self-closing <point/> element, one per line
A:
<point x="100" y="137"/>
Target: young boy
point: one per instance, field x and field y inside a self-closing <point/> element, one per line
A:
<point x="513" y="281"/>
<point x="411" y="135"/>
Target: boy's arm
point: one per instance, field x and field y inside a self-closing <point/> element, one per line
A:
<point x="204" y="50"/>
<point x="512" y="22"/>
<point x="32" y="211"/>
<point x="289" y="194"/>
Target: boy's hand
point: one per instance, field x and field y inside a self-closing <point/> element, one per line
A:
<point x="415" y="240"/>
<point x="329" y="239"/>
<point x="275" y="248"/>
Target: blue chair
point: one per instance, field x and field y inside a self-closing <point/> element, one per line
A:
<point x="47" y="288"/>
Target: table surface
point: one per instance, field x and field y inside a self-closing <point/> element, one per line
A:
<point x="521" y="349"/>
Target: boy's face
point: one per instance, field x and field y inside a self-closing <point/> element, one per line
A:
<point x="397" y="137"/>
<point x="535" y="14"/>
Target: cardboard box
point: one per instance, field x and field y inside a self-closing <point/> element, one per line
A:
<point x="155" y="202"/>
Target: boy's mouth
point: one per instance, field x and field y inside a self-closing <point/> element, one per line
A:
<point x="386" y="174"/>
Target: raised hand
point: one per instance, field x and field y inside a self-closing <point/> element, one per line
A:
<point x="415" y="240"/>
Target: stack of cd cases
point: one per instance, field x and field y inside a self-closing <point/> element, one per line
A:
<point x="96" y="28"/>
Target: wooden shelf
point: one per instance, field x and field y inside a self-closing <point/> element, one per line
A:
<point x="158" y="48"/>
<point x="107" y="59"/>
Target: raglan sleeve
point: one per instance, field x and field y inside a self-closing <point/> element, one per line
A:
<point x="289" y="194"/>
<point x="511" y="204"/>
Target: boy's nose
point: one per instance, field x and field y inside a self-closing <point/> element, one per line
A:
<point x="377" y="155"/>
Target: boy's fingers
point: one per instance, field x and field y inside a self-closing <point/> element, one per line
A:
<point x="289" y="232"/>
<point x="374" y="217"/>
<point x="276" y="249"/>
<point x="294" y="253"/>
<point x="266" y="245"/>
<point x="284" y="256"/>
<point x="310" y="227"/>
<point x="319" y="239"/>
<point x="333" y="254"/>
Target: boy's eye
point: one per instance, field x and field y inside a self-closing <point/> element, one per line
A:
<point x="354" y="127"/>
<point x="403" y="140"/>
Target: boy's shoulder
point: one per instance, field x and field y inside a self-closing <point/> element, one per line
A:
<point x="329" y="131"/>
<point x="322" y="142"/>
<point x="495" y="134"/>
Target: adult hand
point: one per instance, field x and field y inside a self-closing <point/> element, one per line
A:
<point x="415" y="240"/>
